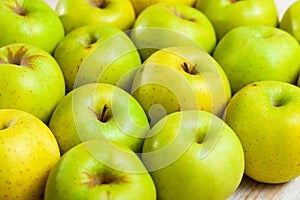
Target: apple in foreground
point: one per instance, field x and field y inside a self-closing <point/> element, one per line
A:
<point x="265" y="115"/>
<point x="193" y="155"/>
<point x="31" y="80"/>
<point x="30" y="21"/>
<point x="28" y="151"/>
<point x="98" y="169"/>
<point x="255" y="53"/>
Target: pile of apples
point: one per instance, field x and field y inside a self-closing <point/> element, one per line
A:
<point x="130" y="99"/>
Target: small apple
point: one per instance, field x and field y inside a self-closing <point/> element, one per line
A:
<point x="256" y="52"/>
<point x="31" y="80"/>
<point x="99" y="169"/>
<point x="228" y="14"/>
<point x="175" y="25"/>
<point x="77" y="13"/>
<point x="265" y="115"/>
<point x="193" y="155"/>
<point x="29" y="21"/>
<point x="28" y="151"/>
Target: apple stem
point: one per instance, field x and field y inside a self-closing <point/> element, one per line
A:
<point x="19" y="10"/>
<point x="188" y="68"/>
<point x="98" y="3"/>
<point x="103" y="114"/>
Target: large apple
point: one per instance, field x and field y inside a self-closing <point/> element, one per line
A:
<point x="256" y="52"/>
<point x="193" y="155"/>
<point x="98" y="169"/>
<point x="266" y="117"/>
<point x="31" y="80"/>
<point x="97" y="111"/>
<point x="29" y="21"/>
<point x="229" y="14"/>
<point x="28" y="151"/>
<point x="77" y="13"/>
<point x="97" y="53"/>
<point x="180" y="78"/>
<point x="175" y="25"/>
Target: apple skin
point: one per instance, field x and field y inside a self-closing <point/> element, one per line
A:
<point x="83" y="173"/>
<point x="255" y="52"/>
<point x="175" y="25"/>
<point x="119" y="13"/>
<point x="196" y="152"/>
<point x="229" y="14"/>
<point x="30" y="21"/>
<point x="31" y="80"/>
<point x="28" y="151"/>
<point x="265" y="115"/>
<point x="78" y="118"/>
<point x="78" y="56"/>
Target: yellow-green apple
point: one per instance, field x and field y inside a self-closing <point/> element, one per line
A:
<point x="28" y="151"/>
<point x="30" y="21"/>
<point x="77" y="13"/>
<point x="265" y="115"/>
<point x="180" y="78"/>
<point x="31" y="80"/>
<point x="256" y="52"/>
<point x="228" y="14"/>
<point x="290" y="21"/>
<point x="99" y="169"/>
<point x="195" y="151"/>
<point x="175" y="25"/>
<point x="97" y="53"/>
<point x="97" y="111"/>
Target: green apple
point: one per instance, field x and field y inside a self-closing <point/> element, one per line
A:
<point x="97" y="111"/>
<point x="29" y="21"/>
<point x="31" y="80"/>
<point x="228" y="14"/>
<point x="175" y="25"/>
<point x="290" y="21"/>
<point x="97" y="53"/>
<point x="193" y="155"/>
<point x="266" y="117"/>
<point x="180" y="78"/>
<point x="98" y="169"/>
<point x="256" y="52"/>
<point x="77" y="13"/>
<point x="28" y="151"/>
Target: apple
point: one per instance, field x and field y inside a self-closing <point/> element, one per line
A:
<point x="99" y="169"/>
<point x="193" y="155"/>
<point x="229" y="14"/>
<point x="97" y="53"/>
<point x="31" y="80"/>
<point x="97" y="111"/>
<point x="77" y="13"/>
<point x="180" y="78"/>
<point x="30" y="21"/>
<point x="28" y="151"/>
<point x="256" y="52"/>
<point x="265" y="115"/>
<point x="290" y="21"/>
<point x="175" y="25"/>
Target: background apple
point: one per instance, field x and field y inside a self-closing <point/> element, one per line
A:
<point x="28" y="151"/>
<point x="31" y="80"/>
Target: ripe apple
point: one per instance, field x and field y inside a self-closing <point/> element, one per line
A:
<point x="99" y="169"/>
<point x="97" y="53"/>
<point x="193" y="155"/>
<point x="97" y="111"/>
<point x="256" y="52"/>
<point x="30" y="21"/>
<point x="31" y="80"/>
<point x="28" y="151"/>
<point x="77" y="13"/>
<point x="175" y="25"/>
<point x="180" y="78"/>
<point x="229" y="14"/>
<point x="266" y="117"/>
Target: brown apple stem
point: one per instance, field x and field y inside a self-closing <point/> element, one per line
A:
<point x="19" y="10"/>
<point x="189" y="68"/>
<point x="178" y="14"/>
<point x="103" y="117"/>
<point x="98" y="3"/>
